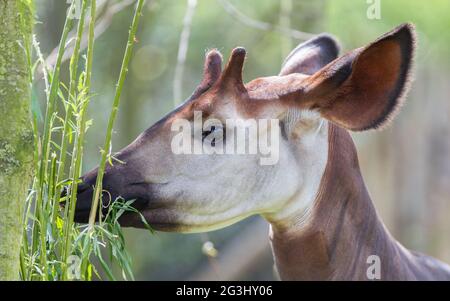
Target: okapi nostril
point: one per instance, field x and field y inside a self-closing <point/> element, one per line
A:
<point x="65" y="192"/>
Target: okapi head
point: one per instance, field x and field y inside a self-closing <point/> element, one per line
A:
<point x="358" y="91"/>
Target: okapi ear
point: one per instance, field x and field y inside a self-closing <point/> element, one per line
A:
<point x="310" y="56"/>
<point x="212" y="69"/>
<point x="365" y="88"/>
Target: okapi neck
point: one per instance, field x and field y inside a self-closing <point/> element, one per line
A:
<point x="343" y="228"/>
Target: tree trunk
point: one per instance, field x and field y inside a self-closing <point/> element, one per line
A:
<point x="16" y="135"/>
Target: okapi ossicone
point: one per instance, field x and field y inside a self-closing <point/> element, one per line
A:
<point x="323" y="223"/>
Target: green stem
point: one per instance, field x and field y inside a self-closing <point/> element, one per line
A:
<point x="90" y="48"/>
<point x="112" y="116"/>
<point x="71" y="98"/>
<point x="87" y="84"/>
<point x="50" y="110"/>
<point x="73" y="70"/>
<point x="54" y="86"/>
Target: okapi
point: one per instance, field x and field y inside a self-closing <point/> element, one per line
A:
<point x="323" y="223"/>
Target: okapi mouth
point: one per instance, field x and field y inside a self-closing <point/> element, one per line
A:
<point x="138" y="192"/>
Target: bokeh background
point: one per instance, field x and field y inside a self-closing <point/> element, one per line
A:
<point x="406" y="167"/>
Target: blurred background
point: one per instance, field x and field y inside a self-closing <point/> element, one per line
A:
<point x="406" y="167"/>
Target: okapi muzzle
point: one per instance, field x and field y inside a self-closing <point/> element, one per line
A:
<point x="121" y="180"/>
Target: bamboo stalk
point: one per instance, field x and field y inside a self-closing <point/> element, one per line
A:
<point x="81" y="124"/>
<point x="112" y="117"/>
<point x="50" y="111"/>
<point x="73" y="70"/>
<point x="72" y="97"/>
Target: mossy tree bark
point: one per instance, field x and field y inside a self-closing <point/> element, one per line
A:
<point x="16" y="135"/>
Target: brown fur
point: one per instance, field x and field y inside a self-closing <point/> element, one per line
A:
<point x="344" y="229"/>
<point x="360" y="90"/>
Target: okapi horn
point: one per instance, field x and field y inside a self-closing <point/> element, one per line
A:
<point x="211" y="72"/>
<point x="232" y="74"/>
